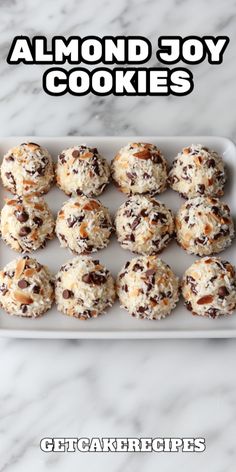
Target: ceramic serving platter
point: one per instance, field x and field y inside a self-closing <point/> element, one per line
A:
<point x="116" y="323"/>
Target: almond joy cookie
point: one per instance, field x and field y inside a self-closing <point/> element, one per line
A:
<point x="83" y="225"/>
<point x="26" y="223"/>
<point x="197" y="171"/>
<point x="84" y="288"/>
<point x="82" y="170"/>
<point x="26" y="288"/>
<point x="209" y="287"/>
<point x="148" y="288"/>
<point x="144" y="225"/>
<point x="204" y="226"/>
<point x="27" y="169"/>
<point x="140" y="168"/>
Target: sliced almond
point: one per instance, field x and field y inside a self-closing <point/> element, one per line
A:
<point x="29" y="272"/>
<point x="91" y="205"/>
<point x="145" y="154"/>
<point x="205" y="300"/>
<point x="22" y="298"/>
<point x="11" y="202"/>
<point x="207" y="229"/>
<point x="33" y="146"/>
<point x="86" y="155"/>
<point x="98" y="267"/>
<point x="38" y="206"/>
<point x="82" y="230"/>
<point x="34" y="235"/>
<point x="29" y="182"/>
<point x="20" y="267"/>
<point x="186" y="150"/>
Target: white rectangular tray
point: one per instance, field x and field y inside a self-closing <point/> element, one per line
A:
<point x="117" y="323"/>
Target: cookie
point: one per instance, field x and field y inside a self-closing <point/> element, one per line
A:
<point x="26" y="288"/>
<point x="82" y="170"/>
<point x="204" y="226"/>
<point x="84" y="288"/>
<point x="209" y="287"/>
<point x="27" y="169"/>
<point x="147" y="288"/>
<point x="144" y="225"/>
<point x="26" y="223"/>
<point x="140" y="168"/>
<point x="83" y="225"/>
<point x="197" y="171"/>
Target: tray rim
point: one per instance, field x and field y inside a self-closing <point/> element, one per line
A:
<point x="119" y="334"/>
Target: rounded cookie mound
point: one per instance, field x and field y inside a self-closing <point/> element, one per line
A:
<point x="84" y="288"/>
<point x="27" y="169"/>
<point x="197" y="171"/>
<point x="204" y="226"/>
<point x="83" y="225"/>
<point x="140" y="168"/>
<point x="144" y="225"/>
<point x="209" y="287"/>
<point x="26" y="288"/>
<point x="26" y="223"/>
<point x="147" y="288"/>
<point x="82" y="170"/>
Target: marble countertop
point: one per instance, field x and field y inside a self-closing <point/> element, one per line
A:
<point x="117" y="388"/>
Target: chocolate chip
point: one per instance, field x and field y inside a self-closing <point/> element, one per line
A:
<point x="3" y="289"/>
<point x="137" y="267"/>
<point x="130" y="175"/>
<point x="36" y="289"/>
<point x="125" y="288"/>
<point x="188" y="305"/>
<point x="203" y="240"/>
<point x="10" y="158"/>
<point x="143" y="213"/>
<point x="24" y="308"/>
<point x="201" y="188"/>
<point x="146" y="176"/>
<point x="75" y="153"/>
<point x="135" y="223"/>
<point x="94" y="278"/>
<point x="156" y="158"/>
<point x="211" y="163"/>
<point x="95" y="167"/>
<point x="24" y="231"/>
<point x="212" y="312"/>
<point x="223" y="292"/>
<point x="23" y="283"/>
<point x="213" y="278"/>
<point x="61" y="158"/>
<point x="62" y="237"/>
<point x="130" y="237"/>
<point x="159" y="217"/>
<point x="215" y="210"/>
<point x="150" y="272"/>
<point x="78" y="192"/>
<point x="192" y="282"/>
<point x="8" y="175"/>
<point x="141" y="309"/>
<point x="67" y="294"/>
<point x="38" y="221"/>
<point x="21" y="216"/>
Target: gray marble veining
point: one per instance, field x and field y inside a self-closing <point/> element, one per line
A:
<point x="134" y="388"/>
